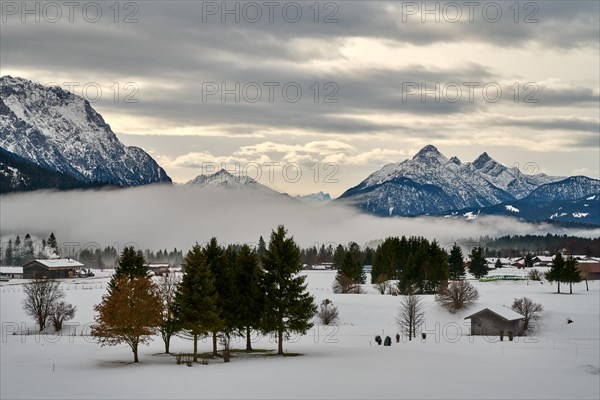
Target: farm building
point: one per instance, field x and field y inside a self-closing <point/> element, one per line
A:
<point x="158" y="268"/>
<point x="11" y="273"/>
<point x="492" y="321"/>
<point x="590" y="268"/>
<point x="56" y="268"/>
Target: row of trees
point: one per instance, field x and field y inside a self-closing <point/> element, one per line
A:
<point x="564" y="271"/>
<point x="414" y="262"/>
<point x="18" y="252"/>
<point x="224" y="291"/>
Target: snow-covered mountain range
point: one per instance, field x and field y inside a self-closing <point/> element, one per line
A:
<point x="61" y="132"/>
<point x="223" y="179"/>
<point x="432" y="184"/>
<point x="315" y="198"/>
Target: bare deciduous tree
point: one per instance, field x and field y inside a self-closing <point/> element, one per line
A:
<point x="530" y="310"/>
<point x="382" y="284"/>
<point x="61" y="312"/>
<point x="328" y="313"/>
<point x="411" y="315"/>
<point x="40" y="296"/>
<point x="456" y="295"/>
<point x="535" y="275"/>
<point x="167" y="287"/>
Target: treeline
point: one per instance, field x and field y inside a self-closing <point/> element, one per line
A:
<point x="328" y="254"/>
<point x="108" y="257"/>
<point x="223" y="291"/>
<point x="519" y="245"/>
<point x="415" y="262"/>
<point x="18" y="252"/>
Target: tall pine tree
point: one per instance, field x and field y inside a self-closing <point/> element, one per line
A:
<point x="131" y="264"/>
<point x="456" y="264"/>
<point x="196" y="300"/>
<point x="570" y="273"/>
<point x="249" y="294"/>
<point x="478" y="266"/>
<point x="289" y="307"/>
<point x="556" y="270"/>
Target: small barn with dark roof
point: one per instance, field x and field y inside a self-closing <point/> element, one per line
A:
<point x="491" y="321"/>
<point x="54" y="268"/>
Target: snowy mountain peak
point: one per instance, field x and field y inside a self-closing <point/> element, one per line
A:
<point x="456" y="160"/>
<point x="430" y="152"/>
<point x="315" y="198"/>
<point x="482" y="160"/>
<point x="60" y="131"/>
<point x="224" y="180"/>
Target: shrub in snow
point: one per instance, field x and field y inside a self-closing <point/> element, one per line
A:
<point x="456" y="295"/>
<point x="388" y="341"/>
<point x="346" y="285"/>
<point x="378" y="339"/>
<point x="382" y="285"/>
<point x="528" y="309"/>
<point x="328" y="313"/>
<point x="535" y="275"/>
<point x="397" y="338"/>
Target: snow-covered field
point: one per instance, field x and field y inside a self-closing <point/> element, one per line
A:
<point x="560" y="361"/>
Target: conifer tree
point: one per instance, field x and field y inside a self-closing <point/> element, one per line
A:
<point x="196" y="300"/>
<point x="131" y="264"/>
<point x="570" y="273"/>
<point x="478" y="266"/>
<point x="529" y="260"/>
<point x="498" y="264"/>
<point x="52" y="244"/>
<point x="555" y="274"/>
<point x="8" y="257"/>
<point x="28" y="252"/>
<point x="455" y="263"/>
<point x="262" y="248"/>
<point x="288" y="306"/>
<point x="17" y="251"/>
<point x="249" y="295"/>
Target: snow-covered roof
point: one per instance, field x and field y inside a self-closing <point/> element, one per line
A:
<point x="60" y="263"/>
<point x="503" y="312"/>
<point x="11" y="270"/>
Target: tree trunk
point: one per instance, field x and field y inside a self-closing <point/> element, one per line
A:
<point x="195" y="348"/>
<point x="214" y="344"/>
<point x="570" y="288"/>
<point x="167" y="340"/>
<point x="558" y="286"/>
<point x="280" y="342"/>
<point x="135" y="353"/>
<point x="587" y="289"/>
<point x="248" y="343"/>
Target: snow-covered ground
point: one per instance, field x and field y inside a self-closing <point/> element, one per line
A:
<point x="560" y="361"/>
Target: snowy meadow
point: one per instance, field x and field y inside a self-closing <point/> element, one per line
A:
<point x="559" y="360"/>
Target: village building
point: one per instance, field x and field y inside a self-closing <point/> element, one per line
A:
<point x="7" y="273"/>
<point x="492" y="321"/>
<point x="56" y="268"/>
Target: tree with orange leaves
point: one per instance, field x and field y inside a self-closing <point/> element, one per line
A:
<point x="130" y="313"/>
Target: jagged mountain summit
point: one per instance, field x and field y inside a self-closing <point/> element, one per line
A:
<point x="315" y="198"/>
<point x="223" y="179"/>
<point x="61" y="132"/>
<point x="432" y="184"/>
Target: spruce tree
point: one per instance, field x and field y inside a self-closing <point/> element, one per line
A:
<point x="8" y="257"/>
<point x="131" y="264"/>
<point x="52" y="244"/>
<point x="218" y="262"/>
<point x="478" y="266"/>
<point x="196" y="301"/>
<point x="570" y="273"/>
<point x="262" y="248"/>
<point x="555" y="274"/>
<point x="17" y="251"/>
<point x="529" y="260"/>
<point x="288" y="305"/>
<point x="498" y="264"/>
<point x="28" y="251"/>
<point x="249" y="295"/>
<point x="455" y="263"/>
<point x="351" y="267"/>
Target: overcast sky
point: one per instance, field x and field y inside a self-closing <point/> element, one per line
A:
<point x="361" y="67"/>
